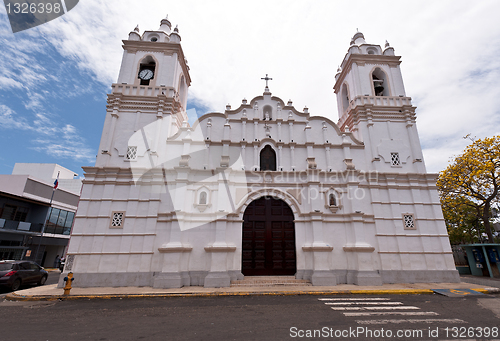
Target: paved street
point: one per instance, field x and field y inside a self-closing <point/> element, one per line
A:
<point x="417" y="317"/>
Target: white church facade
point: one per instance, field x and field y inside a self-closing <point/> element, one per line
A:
<point x="262" y="189"/>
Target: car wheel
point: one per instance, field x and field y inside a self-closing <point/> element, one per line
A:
<point x="42" y="280"/>
<point x="16" y="285"/>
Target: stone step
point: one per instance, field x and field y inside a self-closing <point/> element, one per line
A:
<point x="265" y="281"/>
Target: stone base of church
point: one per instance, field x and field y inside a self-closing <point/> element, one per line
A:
<point x="113" y="279"/>
<point x="323" y="278"/>
<point x="168" y="280"/>
<point x="223" y="279"/>
<point x="379" y="277"/>
<point x="154" y="279"/>
<point x="364" y="278"/>
<point x="217" y="280"/>
<point x="420" y="276"/>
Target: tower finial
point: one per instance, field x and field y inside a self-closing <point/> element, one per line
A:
<point x="136" y="29"/>
<point x="165" y="25"/>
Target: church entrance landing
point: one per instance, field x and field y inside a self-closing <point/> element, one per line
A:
<point x="268" y="247"/>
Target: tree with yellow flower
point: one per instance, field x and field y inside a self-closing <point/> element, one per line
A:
<point x="462" y="220"/>
<point x="473" y="180"/>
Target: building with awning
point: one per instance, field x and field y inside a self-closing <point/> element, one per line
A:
<point x="25" y="204"/>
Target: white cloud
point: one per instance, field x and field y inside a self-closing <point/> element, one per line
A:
<point x="6" y="82"/>
<point x="65" y="150"/>
<point x="9" y="119"/>
<point x="58" y="142"/>
<point x="18" y="67"/>
<point x="34" y="101"/>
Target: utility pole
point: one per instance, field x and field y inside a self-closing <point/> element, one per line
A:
<point x="56" y="183"/>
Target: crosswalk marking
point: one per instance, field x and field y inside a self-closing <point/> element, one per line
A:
<point x="383" y="307"/>
<point x="383" y="313"/>
<point x="410" y="321"/>
<point x="364" y="303"/>
<point x="375" y="308"/>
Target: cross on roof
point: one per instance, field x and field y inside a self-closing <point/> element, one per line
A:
<point x="267" y="79"/>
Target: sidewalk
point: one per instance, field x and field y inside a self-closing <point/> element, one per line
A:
<point x="486" y="281"/>
<point x="51" y="292"/>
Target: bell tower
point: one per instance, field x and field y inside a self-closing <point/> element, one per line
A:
<point x="373" y="105"/>
<point x="150" y="95"/>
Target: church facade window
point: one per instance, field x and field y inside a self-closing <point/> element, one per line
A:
<point x="132" y="153"/>
<point x="409" y="222"/>
<point x="117" y="219"/>
<point x="268" y="159"/>
<point x="395" y="160"/>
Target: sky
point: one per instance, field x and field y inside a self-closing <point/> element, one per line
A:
<point x="54" y="78"/>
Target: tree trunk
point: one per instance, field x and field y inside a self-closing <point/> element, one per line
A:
<point x="486" y="220"/>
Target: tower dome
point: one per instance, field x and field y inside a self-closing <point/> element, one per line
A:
<point x="358" y="39"/>
<point x="165" y="25"/>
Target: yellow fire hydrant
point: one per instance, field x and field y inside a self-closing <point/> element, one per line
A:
<point x="69" y="279"/>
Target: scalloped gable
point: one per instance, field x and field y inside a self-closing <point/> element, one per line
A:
<point x="280" y="112"/>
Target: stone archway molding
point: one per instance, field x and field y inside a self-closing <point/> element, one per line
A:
<point x="272" y="192"/>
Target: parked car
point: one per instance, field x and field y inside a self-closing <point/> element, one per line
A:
<point x="14" y="273"/>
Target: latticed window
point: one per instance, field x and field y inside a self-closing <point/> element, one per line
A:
<point x="409" y="222"/>
<point x="395" y="159"/>
<point x="131" y="153"/>
<point x="117" y="219"/>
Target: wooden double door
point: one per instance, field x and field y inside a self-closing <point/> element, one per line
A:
<point x="268" y="247"/>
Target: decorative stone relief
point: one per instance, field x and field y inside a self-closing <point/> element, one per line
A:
<point x="184" y="161"/>
<point x="349" y="164"/>
<point x="311" y="163"/>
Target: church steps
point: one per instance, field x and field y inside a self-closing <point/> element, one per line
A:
<point x="265" y="281"/>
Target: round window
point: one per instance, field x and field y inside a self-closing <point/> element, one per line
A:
<point x="154" y="39"/>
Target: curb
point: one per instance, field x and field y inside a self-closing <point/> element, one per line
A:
<point x="17" y="297"/>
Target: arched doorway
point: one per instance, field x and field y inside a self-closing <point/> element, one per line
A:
<point x="268" y="246"/>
